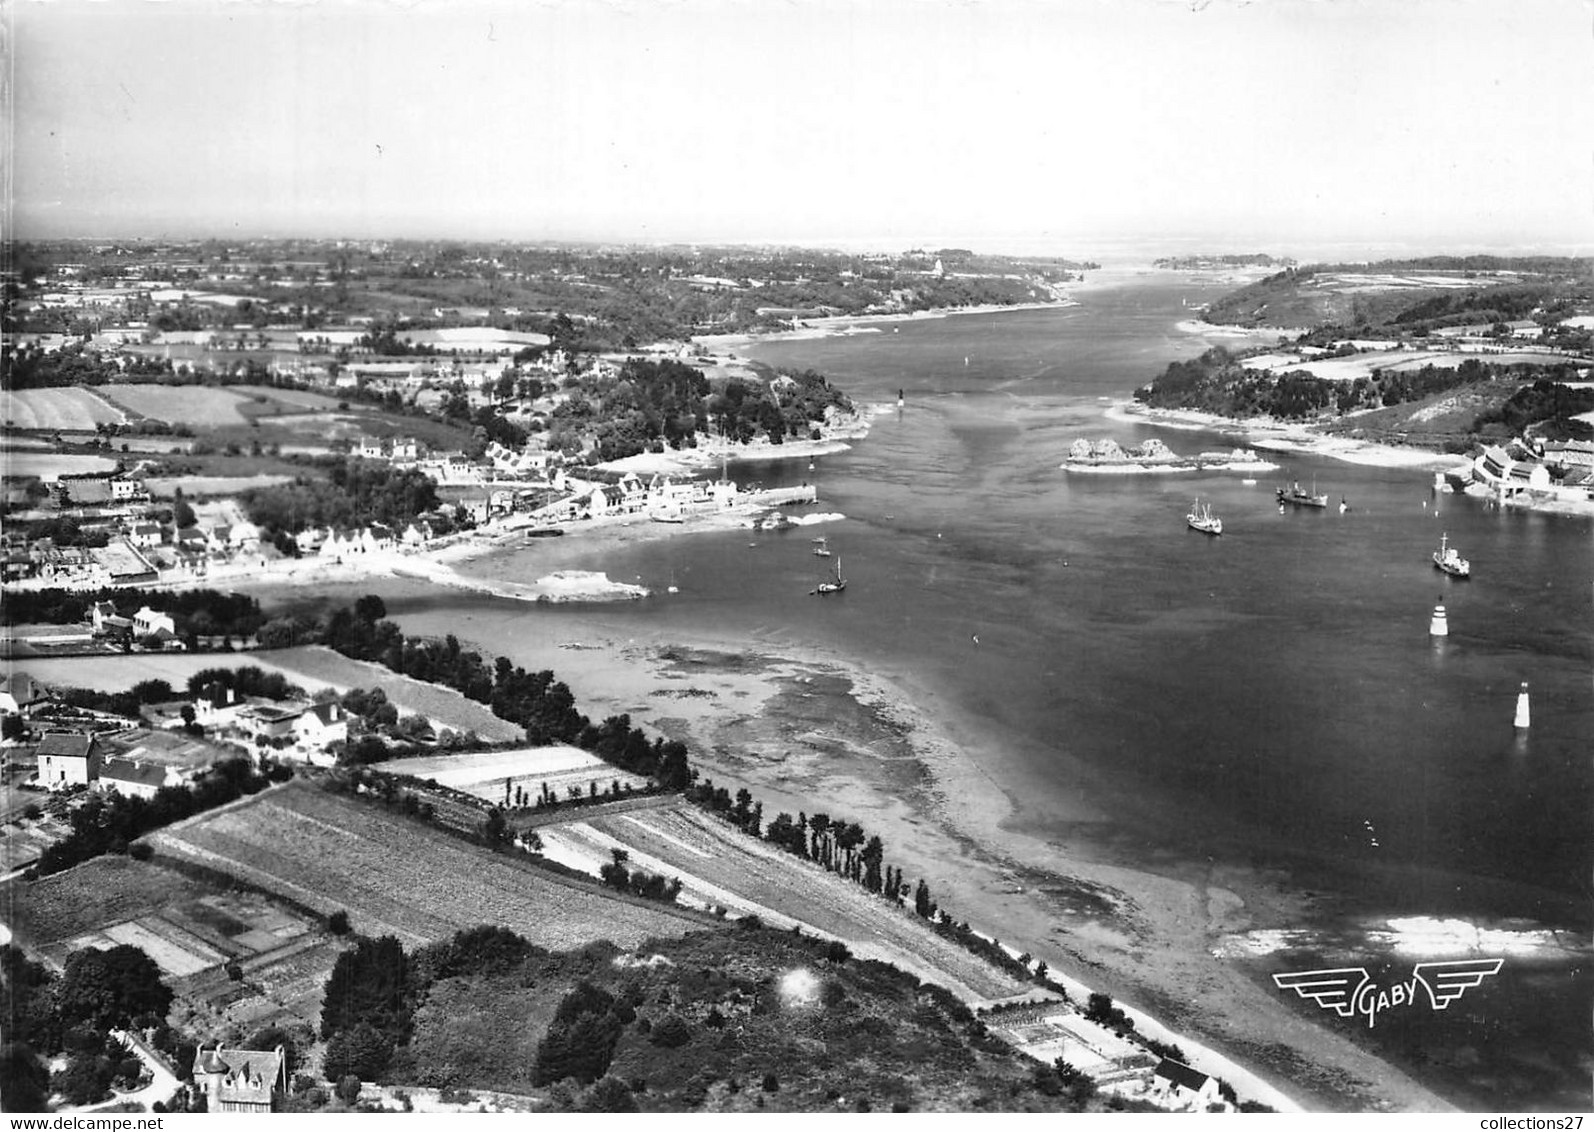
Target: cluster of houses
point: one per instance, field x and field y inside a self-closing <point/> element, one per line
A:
<point x="140" y="551"/>
<point x="1537" y="471"/>
<point x="659" y="498"/>
<point x="1054" y="1031"/>
<point x="308" y="731"/>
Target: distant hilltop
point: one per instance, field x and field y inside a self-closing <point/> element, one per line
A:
<point x="1208" y="262"/>
<point x="1408" y="297"/>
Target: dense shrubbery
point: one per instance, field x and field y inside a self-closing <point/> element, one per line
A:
<point x="651" y="404"/>
<point x="1549" y="406"/>
<point x="355" y="493"/>
<point x="1216" y="382"/>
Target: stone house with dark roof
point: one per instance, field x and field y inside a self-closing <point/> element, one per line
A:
<point x="136" y="779"/>
<point x="67" y="759"/>
<point x="241" y="1080"/>
<point x="19" y="693"/>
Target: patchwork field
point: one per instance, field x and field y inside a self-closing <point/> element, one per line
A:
<point x="400" y="877"/>
<point x="717" y="865"/>
<point x="485" y="773"/>
<point x="191" y="928"/>
<point x="1362" y="365"/>
<point x="68" y="409"/>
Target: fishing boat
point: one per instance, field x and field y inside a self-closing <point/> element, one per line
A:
<point x="1447" y="559"/>
<point x="829" y="586"/>
<point x="1301" y="497"/>
<point x="821" y="548"/>
<point x="1202" y="519"/>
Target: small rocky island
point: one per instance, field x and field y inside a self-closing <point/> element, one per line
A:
<point x="1154" y="456"/>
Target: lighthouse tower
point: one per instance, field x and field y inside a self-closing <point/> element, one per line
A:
<point x="1439" y="626"/>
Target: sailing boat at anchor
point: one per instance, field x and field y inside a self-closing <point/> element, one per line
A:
<point x="835" y="586"/>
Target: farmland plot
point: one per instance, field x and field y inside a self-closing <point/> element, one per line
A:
<point x="56" y="410"/>
<point x="399" y="877"/>
<point x="718" y="865"/>
<point x="50" y="466"/>
<point x="530" y="769"/>
<point x="200" y="405"/>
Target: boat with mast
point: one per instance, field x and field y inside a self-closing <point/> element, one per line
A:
<point x="1202" y="519"/>
<point x="1448" y="559"/>
<point x="832" y="586"/>
<point x="1300" y="497"/>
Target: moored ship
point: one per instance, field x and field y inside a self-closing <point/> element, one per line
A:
<point x="1446" y="558"/>
<point x="1202" y="519"/>
<point x="1299" y="496"/>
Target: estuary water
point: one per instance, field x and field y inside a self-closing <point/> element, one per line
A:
<point x="1271" y="697"/>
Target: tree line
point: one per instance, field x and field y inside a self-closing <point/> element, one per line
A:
<point x="845" y="848"/>
<point x="203" y="612"/>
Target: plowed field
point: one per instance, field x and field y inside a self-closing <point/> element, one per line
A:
<point x="399" y="877"/>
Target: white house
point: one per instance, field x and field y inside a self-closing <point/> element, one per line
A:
<point x="66" y="759"/>
<point x="147" y="621"/>
<point x="243" y="535"/>
<point x="270" y="722"/>
<point x="1175" y="1085"/>
<point x="321" y="725"/>
<point x="144" y="535"/>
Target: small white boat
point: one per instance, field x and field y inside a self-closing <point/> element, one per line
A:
<point x="821" y="549"/>
<point x="1446" y="558"/>
<point x="1202" y="519"/>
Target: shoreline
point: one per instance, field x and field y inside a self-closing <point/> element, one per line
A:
<point x="1277" y="436"/>
<point x="795" y="723"/>
<point x="832" y="326"/>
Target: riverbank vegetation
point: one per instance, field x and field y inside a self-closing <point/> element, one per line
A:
<point x="1413" y="297"/>
<point x="1505" y="399"/>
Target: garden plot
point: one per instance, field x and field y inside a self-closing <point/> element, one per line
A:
<point x="493" y="775"/>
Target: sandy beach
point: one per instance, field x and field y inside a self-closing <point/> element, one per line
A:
<point x="867" y="323"/>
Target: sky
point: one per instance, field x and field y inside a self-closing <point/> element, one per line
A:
<point x="1068" y="126"/>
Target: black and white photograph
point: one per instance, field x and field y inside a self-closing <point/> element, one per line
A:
<point x="790" y="556"/>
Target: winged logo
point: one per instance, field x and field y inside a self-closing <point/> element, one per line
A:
<point x="1332" y="989"/>
<point x="1448" y="981"/>
<point x="1350" y="991"/>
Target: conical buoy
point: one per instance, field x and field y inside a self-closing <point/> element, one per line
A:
<point x="1439" y="626"/>
<point x="1522" y="719"/>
